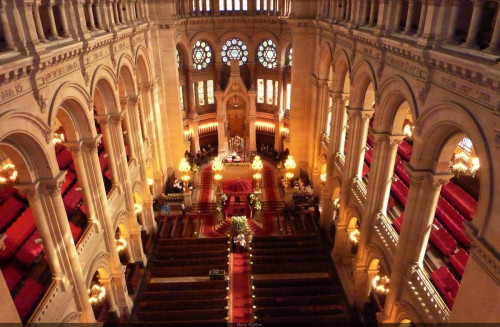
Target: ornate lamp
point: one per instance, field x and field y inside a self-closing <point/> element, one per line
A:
<point x="217" y="168"/>
<point x="121" y="244"/>
<point x="184" y="168"/>
<point x="323" y="177"/>
<point x="408" y="129"/>
<point x="380" y="284"/>
<point x="355" y="236"/>
<point x="289" y="166"/>
<point x="8" y="174"/>
<point x="257" y="168"/>
<point x="58" y="138"/>
<point x="97" y="293"/>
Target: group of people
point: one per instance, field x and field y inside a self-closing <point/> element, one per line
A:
<point x="201" y="155"/>
<point x="239" y="243"/>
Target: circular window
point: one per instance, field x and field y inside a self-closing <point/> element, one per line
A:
<point x="267" y="54"/>
<point x="234" y="49"/>
<point x="202" y="55"/>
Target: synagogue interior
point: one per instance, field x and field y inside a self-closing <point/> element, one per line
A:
<point x="214" y="162"/>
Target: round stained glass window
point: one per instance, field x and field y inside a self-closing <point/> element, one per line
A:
<point x="234" y="49"/>
<point x="202" y="55"/>
<point x="267" y="54"/>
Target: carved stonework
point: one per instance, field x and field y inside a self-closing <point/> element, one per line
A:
<point x="486" y="260"/>
<point x="54" y="190"/>
<point x="31" y="192"/>
<point x="42" y="103"/>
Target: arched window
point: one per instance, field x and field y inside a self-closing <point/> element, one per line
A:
<point x="234" y="49"/>
<point x="202" y="55"/>
<point x="266" y="54"/>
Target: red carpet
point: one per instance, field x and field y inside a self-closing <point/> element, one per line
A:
<point x="268" y="184"/>
<point x="208" y="226"/>
<point x="241" y="307"/>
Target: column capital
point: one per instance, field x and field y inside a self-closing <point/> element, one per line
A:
<point x="418" y="177"/>
<point x="364" y="114"/>
<point x="135" y="99"/>
<point x="53" y="186"/>
<point x="116" y="117"/>
<point x="74" y="147"/>
<point x="392" y="139"/>
<point x="91" y="145"/>
<point x="102" y="119"/>
<point x="30" y="191"/>
<point x="124" y="102"/>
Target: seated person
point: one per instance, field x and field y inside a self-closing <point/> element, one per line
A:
<point x="240" y="240"/>
<point x="233" y="155"/>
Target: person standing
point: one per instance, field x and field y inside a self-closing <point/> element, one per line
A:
<point x="183" y="208"/>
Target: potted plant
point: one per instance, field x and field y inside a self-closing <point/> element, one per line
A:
<point x="239" y="225"/>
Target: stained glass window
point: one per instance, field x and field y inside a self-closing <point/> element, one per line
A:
<point x="276" y="93"/>
<point x="181" y="97"/>
<point x="210" y="92"/>
<point x="266" y="54"/>
<point x="202" y="55"/>
<point x="201" y="94"/>
<point x="260" y="91"/>
<point x="234" y="49"/>
<point x="269" y="91"/>
<point x="466" y="144"/>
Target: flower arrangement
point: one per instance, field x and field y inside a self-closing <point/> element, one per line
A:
<point x="194" y="167"/>
<point x="258" y="205"/>
<point x="218" y="207"/>
<point x="239" y="224"/>
<point x="223" y="200"/>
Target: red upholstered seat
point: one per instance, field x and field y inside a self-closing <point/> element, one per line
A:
<point x="103" y="162"/>
<point x="398" y="222"/>
<point x="6" y="193"/>
<point x="64" y="158"/>
<point x="400" y="170"/>
<point x="365" y="171"/>
<point x="445" y="243"/>
<point x="368" y="156"/>
<point x="27" y="298"/>
<point x="459" y="260"/>
<point x="400" y="191"/>
<point x="404" y="150"/>
<point x="9" y="211"/>
<point x="17" y="233"/>
<point x="452" y="220"/>
<point x="12" y="274"/>
<point x="75" y="232"/>
<point x="369" y="140"/>
<point x="460" y="199"/>
<point x="69" y="178"/>
<point x="390" y="203"/>
<point x="72" y="198"/>
<point x="446" y="284"/>
<point x="108" y="174"/>
<point x="29" y="251"/>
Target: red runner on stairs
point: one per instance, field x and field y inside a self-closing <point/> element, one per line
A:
<point x="241" y="307"/>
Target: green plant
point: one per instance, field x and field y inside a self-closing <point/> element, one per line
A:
<point x="239" y="224"/>
<point x="258" y="205"/>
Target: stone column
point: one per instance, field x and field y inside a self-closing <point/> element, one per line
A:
<point x="495" y="37"/>
<point x="108" y="146"/>
<point x="7" y="33"/>
<point x="423" y="196"/>
<point x="91" y="16"/>
<point x="378" y="190"/>
<point x="64" y="21"/>
<point x="277" y="133"/>
<point x="193" y="126"/>
<point x="409" y="17"/>
<point x="61" y="235"/>
<point x="364" y="12"/>
<point x="373" y="15"/>
<point x="116" y="13"/>
<point x="475" y="24"/>
<point x="52" y="22"/>
<point x="128" y="129"/>
<point x="452" y="25"/>
<point x="397" y="19"/>
<point x="252" y="118"/>
<point x="423" y="14"/>
<point x="98" y="16"/>
<point x="38" y="22"/>
<point x="358" y="128"/>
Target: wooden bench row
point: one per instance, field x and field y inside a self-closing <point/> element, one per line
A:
<point x="185" y="295"/>
<point x="189" y="262"/>
<point x="284" y="245"/>
<point x="289" y="301"/>
<point x="192" y="241"/>
<point x="291" y="268"/>
<point x="191" y="248"/>
<point x="184" y="305"/>
<point x="180" y="286"/>
<point x="192" y="255"/>
<point x="292" y="282"/>
<point x="191" y="315"/>
<point x="285" y="238"/>
<point x="188" y="271"/>
<point x="301" y="310"/>
<point x="301" y="258"/>
<point x="295" y="291"/>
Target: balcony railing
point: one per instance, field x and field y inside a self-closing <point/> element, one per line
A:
<point x="233" y="7"/>
<point x="358" y="189"/>
<point x="426" y="294"/>
<point x="339" y="162"/>
<point x="386" y="232"/>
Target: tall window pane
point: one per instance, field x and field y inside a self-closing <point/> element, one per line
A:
<point x="208" y="4"/>
<point x="328" y="123"/>
<point x="245" y="5"/>
<point x="272" y="5"/>
<point x="257" y="5"/>
<point x="210" y="92"/>
<point x="269" y="90"/>
<point x="181" y="97"/>
<point x="200" y="5"/>
<point x="201" y="94"/>
<point x="264" y="5"/>
<point x="221" y="5"/>
<point x="194" y="94"/>
<point x="288" y="95"/>
<point x="260" y="91"/>
<point x="236" y="4"/>
<point x="229" y="4"/>
<point x="276" y="93"/>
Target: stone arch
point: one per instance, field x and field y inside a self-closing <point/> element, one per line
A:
<point x="27" y="148"/>
<point x="362" y="76"/>
<point x="143" y="66"/>
<point x="186" y="51"/>
<point x="373" y="251"/>
<point x="406" y="311"/>
<point x="392" y="93"/>
<point x="341" y="69"/>
<point x="443" y="125"/>
<point x="69" y="90"/>
<point x="138" y="187"/>
<point x="325" y="61"/>
<point x="210" y="38"/>
<point x="285" y="45"/>
<point x="102" y="72"/>
<point x="126" y="82"/>
<point x="121" y="218"/>
<point x="100" y="263"/>
<point x="236" y="34"/>
<point x="105" y="98"/>
<point x="126" y="63"/>
<point x="75" y="121"/>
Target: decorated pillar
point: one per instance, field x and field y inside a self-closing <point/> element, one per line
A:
<point x="475" y="24"/>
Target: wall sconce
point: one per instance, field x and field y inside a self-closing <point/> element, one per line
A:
<point x="380" y="284"/>
<point x="97" y="293"/>
<point x="8" y="174"/>
<point x="355" y="236"/>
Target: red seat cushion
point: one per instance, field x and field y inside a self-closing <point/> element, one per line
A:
<point x="103" y="162"/>
<point x="400" y="170"/>
<point x="64" y="158"/>
<point x="459" y="260"/>
<point x="390" y="203"/>
<point x="9" y="211"/>
<point x="365" y="171"/>
<point x="400" y="191"/>
<point x="398" y="222"/>
<point x="29" y="251"/>
<point x="453" y="221"/>
<point x="445" y="243"/>
<point x="446" y="284"/>
<point x="460" y="199"/>
<point x="369" y="155"/>
<point x="6" y="193"/>
<point x="69" y="178"/>
<point x="27" y="298"/>
<point x="369" y="140"/>
<point x="17" y="233"/>
<point x="404" y="150"/>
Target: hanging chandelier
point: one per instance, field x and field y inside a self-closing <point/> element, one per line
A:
<point x="408" y="129"/>
<point x="184" y="168"/>
<point x="97" y="293"/>
<point x="380" y="284"/>
<point x="462" y="163"/>
<point x="257" y="163"/>
<point x="355" y="235"/>
<point x="58" y="138"/>
<point x="323" y="177"/>
<point x="217" y="167"/>
<point x="121" y="244"/>
<point x="8" y="174"/>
